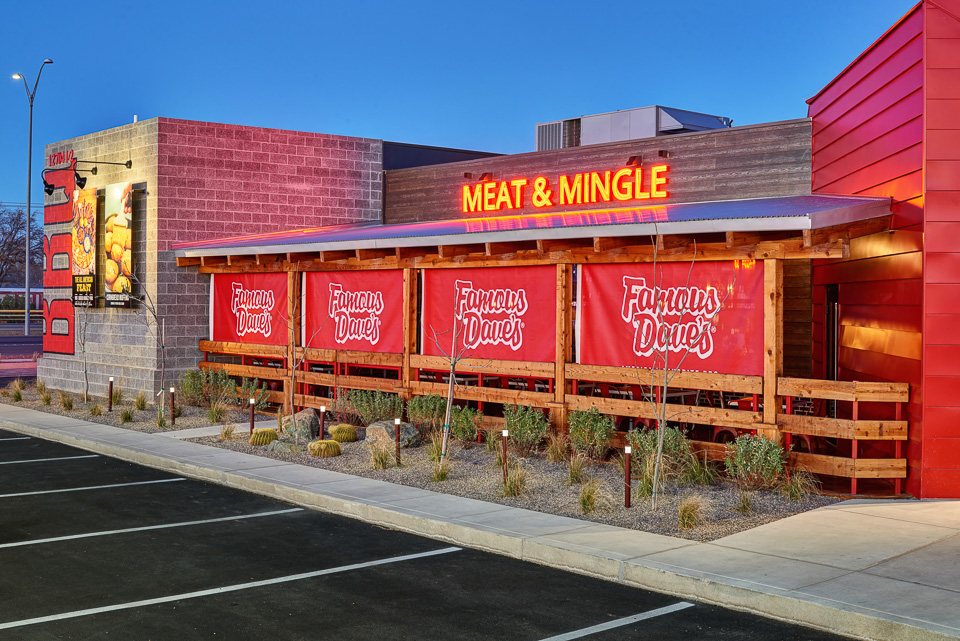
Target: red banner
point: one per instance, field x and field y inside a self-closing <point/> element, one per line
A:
<point x="58" y="312"/>
<point x="249" y="308"/>
<point x="360" y="311"/>
<point x="706" y="317"/>
<point x="503" y="313"/>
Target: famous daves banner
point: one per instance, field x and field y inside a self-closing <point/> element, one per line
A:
<point x="709" y="314"/>
<point x="503" y="313"/>
<point x="249" y="308"/>
<point x="360" y="311"/>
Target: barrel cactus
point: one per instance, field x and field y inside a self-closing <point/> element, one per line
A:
<point x="263" y="436"/>
<point x="324" y="449"/>
<point x="343" y="433"/>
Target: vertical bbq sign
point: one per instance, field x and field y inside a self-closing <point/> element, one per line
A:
<point x="118" y="245"/>
<point x="84" y="245"/>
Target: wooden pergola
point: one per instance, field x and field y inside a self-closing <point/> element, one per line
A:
<point x="653" y="235"/>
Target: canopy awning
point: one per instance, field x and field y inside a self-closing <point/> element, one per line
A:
<point x="789" y="213"/>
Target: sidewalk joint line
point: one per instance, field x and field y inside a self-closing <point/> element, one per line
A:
<point x="145" y="528"/>
<point x="221" y="590"/>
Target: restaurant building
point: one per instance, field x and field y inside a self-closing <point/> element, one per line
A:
<point x="781" y="268"/>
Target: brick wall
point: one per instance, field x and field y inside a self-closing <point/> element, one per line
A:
<point x="206" y="180"/>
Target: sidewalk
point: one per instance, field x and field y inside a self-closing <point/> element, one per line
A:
<point x="886" y="570"/>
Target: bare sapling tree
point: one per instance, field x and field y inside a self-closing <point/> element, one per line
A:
<point x="663" y="340"/>
<point x="81" y="322"/>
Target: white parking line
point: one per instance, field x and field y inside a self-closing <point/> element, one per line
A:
<point x="44" y="460"/>
<point x="89" y="487"/>
<point x="650" y="614"/>
<point x="16" y="438"/>
<point x="214" y="591"/>
<point x="148" y="527"/>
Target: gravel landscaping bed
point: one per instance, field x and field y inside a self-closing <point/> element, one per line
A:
<point x="473" y="474"/>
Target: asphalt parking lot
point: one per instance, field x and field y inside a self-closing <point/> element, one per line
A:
<point x="96" y="548"/>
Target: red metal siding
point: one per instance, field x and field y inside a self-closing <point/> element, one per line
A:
<point x="868" y="139"/>
<point x="941" y="365"/>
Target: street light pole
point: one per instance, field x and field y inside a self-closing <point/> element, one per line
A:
<point x="26" y="264"/>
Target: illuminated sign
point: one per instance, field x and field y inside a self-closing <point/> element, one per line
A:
<point x="625" y="185"/>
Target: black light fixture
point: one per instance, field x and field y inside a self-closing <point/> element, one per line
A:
<point x="80" y="180"/>
<point x="48" y="189"/>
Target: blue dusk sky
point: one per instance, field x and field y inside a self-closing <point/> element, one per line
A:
<point x="472" y="75"/>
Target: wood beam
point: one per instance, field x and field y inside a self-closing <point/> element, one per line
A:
<point x="452" y="251"/>
<point x="241" y="260"/>
<point x="812" y="237"/>
<point x="405" y="253"/>
<point x="265" y="259"/>
<point x="210" y="261"/>
<point x="335" y="255"/>
<point x="496" y="249"/>
<point x="299" y="257"/>
<point x="409" y="327"/>
<point x="188" y="261"/>
<point x="674" y="241"/>
<point x="375" y="253"/>
<point x="772" y="342"/>
<point x="563" y="244"/>
<point x="564" y="346"/>
<point x="605" y="244"/>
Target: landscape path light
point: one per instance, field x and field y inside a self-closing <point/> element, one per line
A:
<point x="505" y="434"/>
<point x="26" y="264"/>
<point x="626" y="472"/>
<point x="253" y="402"/>
<point x="110" y="395"/>
<point x="396" y="426"/>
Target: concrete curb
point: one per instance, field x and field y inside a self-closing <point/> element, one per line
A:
<point x="816" y="612"/>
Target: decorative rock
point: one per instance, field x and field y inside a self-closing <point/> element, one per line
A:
<point x="283" y="447"/>
<point x="382" y="434"/>
<point x="307" y="422"/>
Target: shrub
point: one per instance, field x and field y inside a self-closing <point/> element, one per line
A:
<point x="126" y="415"/>
<point x="516" y="481"/>
<point x="557" y="448"/>
<point x="323" y="449"/>
<point x="465" y="422"/>
<point x="799" y="485"/>
<point x="590" y="431"/>
<point x="676" y="459"/>
<point x="17" y="395"/>
<point x="190" y="387"/>
<point x="140" y="402"/>
<point x="341" y="405"/>
<point x="177" y="411"/>
<point x="66" y="401"/>
<point x="226" y="432"/>
<point x="45" y="397"/>
<point x="161" y="421"/>
<point x="343" y="433"/>
<point x="576" y="469"/>
<point x="435" y="448"/>
<point x="263" y="436"/>
<point x="700" y="471"/>
<point x="427" y="413"/>
<point x="248" y="390"/>
<point x="95" y="410"/>
<point x="755" y="462"/>
<point x="18" y="384"/>
<point x="528" y="427"/>
<point x="373" y="406"/>
<point x="118" y="393"/>
<point x="690" y="511"/>
<point x="41" y="387"/>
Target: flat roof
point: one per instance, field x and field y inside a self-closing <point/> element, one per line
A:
<point x="787" y="213"/>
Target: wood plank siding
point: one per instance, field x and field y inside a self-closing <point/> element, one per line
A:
<point x="868" y="135"/>
<point x="743" y="162"/>
<point x="941" y="276"/>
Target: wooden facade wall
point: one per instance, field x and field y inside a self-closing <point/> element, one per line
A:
<point x="868" y="140"/>
<point x="743" y="162"/>
<point x="941" y="360"/>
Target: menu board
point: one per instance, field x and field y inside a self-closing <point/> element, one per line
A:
<point x="118" y="245"/>
<point x="84" y="243"/>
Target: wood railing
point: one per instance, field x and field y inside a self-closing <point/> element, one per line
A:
<point x="620" y="392"/>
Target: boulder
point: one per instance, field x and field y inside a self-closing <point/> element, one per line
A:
<point x="382" y="433"/>
<point x="283" y="447"/>
<point x="307" y="423"/>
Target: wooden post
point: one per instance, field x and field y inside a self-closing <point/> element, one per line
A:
<point x="564" y="347"/>
<point x="407" y="374"/>
<point x="291" y="342"/>
<point x="772" y="343"/>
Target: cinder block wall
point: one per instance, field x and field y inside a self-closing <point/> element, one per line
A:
<point x="207" y="180"/>
<point x="116" y="342"/>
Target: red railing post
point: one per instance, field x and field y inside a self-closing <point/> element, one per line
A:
<point x="856" y="417"/>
